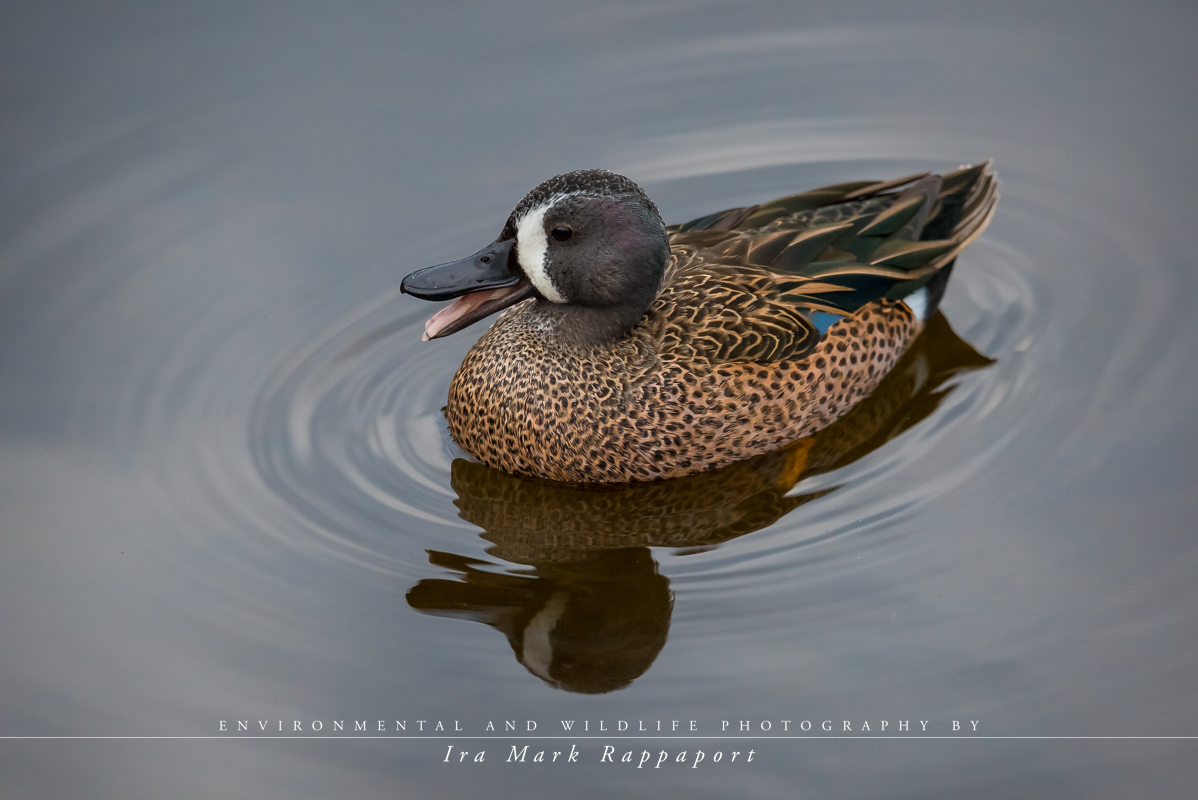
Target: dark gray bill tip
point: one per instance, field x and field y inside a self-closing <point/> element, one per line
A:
<point x="489" y="268"/>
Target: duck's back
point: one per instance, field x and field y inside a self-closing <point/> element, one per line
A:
<point x="772" y="322"/>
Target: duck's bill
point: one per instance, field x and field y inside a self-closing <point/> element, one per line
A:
<point x="482" y="284"/>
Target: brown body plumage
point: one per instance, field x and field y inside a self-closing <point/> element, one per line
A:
<point x="770" y="323"/>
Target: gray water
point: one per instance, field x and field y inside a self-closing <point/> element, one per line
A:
<point x="227" y="492"/>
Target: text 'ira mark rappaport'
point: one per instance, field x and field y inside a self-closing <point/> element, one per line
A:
<point x="654" y="759"/>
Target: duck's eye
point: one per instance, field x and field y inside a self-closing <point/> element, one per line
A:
<point x="562" y="233"/>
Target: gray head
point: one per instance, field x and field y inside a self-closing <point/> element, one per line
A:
<point x="589" y="245"/>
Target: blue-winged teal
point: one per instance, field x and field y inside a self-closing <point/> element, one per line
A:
<point x="639" y="351"/>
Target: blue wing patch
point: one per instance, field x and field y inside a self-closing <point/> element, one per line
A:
<point x="822" y="320"/>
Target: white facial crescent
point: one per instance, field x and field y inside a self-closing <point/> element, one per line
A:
<point x="532" y="247"/>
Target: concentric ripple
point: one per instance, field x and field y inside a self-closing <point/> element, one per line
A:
<point x="333" y="441"/>
<point x="349" y="431"/>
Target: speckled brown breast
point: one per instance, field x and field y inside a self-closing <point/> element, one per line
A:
<point x="638" y="410"/>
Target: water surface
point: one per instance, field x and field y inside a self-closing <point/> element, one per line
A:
<point x="228" y="492"/>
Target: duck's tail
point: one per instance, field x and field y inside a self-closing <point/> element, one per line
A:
<point x="966" y="202"/>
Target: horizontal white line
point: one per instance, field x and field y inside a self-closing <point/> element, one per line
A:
<point x="349" y="736"/>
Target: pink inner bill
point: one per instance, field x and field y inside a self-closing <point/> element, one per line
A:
<point x="460" y="308"/>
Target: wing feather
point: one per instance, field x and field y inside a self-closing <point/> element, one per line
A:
<point x="743" y="283"/>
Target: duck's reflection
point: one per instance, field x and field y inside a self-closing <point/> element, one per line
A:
<point x="591" y="621"/>
<point x="590" y="612"/>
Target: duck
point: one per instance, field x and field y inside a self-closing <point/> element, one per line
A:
<point x="626" y="350"/>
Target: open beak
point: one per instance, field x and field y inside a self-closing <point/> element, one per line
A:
<point x="482" y="284"/>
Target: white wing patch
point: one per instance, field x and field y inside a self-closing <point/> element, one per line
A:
<point x="917" y="301"/>
<point x="531" y="248"/>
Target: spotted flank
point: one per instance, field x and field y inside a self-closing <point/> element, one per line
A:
<point x="629" y="351"/>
